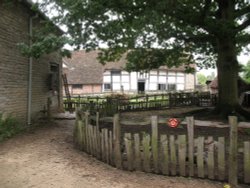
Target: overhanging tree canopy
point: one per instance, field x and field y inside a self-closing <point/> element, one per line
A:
<point x="162" y="32"/>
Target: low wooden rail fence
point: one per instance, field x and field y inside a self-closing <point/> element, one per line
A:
<point x="145" y="102"/>
<point x="167" y="154"/>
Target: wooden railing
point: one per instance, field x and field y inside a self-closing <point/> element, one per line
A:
<point x="215" y="158"/>
<point x="144" y="102"/>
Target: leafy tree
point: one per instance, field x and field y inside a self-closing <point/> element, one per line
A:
<point x="164" y="32"/>
<point x="201" y="79"/>
<point x="246" y="72"/>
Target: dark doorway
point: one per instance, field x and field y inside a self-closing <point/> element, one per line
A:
<point x="141" y="86"/>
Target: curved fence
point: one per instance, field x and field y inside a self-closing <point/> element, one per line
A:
<point x="223" y="158"/>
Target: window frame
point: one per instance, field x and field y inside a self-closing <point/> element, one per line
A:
<point x="161" y="87"/>
<point x="105" y="88"/>
<point x="77" y="86"/>
<point x="175" y="87"/>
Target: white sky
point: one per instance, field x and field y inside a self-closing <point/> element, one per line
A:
<point x="243" y="59"/>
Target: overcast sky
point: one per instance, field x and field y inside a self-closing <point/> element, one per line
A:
<point x="243" y="59"/>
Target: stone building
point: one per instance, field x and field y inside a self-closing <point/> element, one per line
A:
<point x="26" y="83"/>
<point x="87" y="76"/>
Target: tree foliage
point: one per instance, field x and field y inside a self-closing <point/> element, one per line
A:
<point x="176" y="27"/>
<point x="201" y="79"/>
<point x="246" y="72"/>
<point x="164" y="32"/>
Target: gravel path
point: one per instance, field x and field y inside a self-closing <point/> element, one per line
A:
<point x="46" y="158"/>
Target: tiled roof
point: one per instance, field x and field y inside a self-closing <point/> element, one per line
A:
<point x="84" y="68"/>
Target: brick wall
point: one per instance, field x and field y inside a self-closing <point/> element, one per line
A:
<point x="86" y="89"/>
<point x="97" y="88"/>
<point x="92" y="88"/>
<point x="14" y="28"/>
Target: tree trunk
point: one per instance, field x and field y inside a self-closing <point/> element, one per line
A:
<point x="227" y="63"/>
<point x="227" y="66"/>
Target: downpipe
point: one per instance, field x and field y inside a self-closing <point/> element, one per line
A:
<point x="30" y="72"/>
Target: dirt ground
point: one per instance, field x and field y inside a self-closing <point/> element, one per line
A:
<point x="46" y="158"/>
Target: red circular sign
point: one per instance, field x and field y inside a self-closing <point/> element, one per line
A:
<point x="173" y="122"/>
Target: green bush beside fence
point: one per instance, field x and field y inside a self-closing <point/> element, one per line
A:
<point x="9" y="126"/>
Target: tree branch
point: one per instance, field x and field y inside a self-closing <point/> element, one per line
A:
<point x="199" y="38"/>
<point x="205" y="9"/>
<point x="241" y="12"/>
<point x="244" y="25"/>
<point x="243" y="39"/>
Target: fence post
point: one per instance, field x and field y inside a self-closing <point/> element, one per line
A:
<point x="117" y="140"/>
<point x="49" y="108"/>
<point x="190" y="129"/>
<point x="154" y="125"/>
<point x="173" y="159"/>
<point x="147" y="106"/>
<point x="129" y="151"/>
<point x="246" y="162"/>
<point x="200" y="157"/>
<point x="87" y="131"/>
<point x="146" y="152"/>
<point x="79" y="101"/>
<point x="98" y="135"/>
<point x="182" y="150"/>
<point x="75" y="130"/>
<point x="78" y="118"/>
<point x="232" y="176"/>
<point x="137" y="150"/>
<point x="221" y="158"/>
<point x="170" y="100"/>
<point x="164" y="155"/>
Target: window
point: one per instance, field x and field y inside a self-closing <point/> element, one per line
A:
<point x="107" y="87"/>
<point x="116" y="73"/>
<point x="53" y="77"/>
<point x="77" y="86"/>
<point x="54" y="68"/>
<point x="171" y="87"/>
<point x="161" y="87"/>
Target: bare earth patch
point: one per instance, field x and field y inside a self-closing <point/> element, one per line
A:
<point x="46" y="157"/>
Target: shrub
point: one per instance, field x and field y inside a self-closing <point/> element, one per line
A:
<point x="9" y="126"/>
<point x="123" y="98"/>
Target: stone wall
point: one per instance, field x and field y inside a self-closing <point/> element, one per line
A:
<point x="14" y="68"/>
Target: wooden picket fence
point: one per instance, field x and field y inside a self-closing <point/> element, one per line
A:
<point x="183" y="155"/>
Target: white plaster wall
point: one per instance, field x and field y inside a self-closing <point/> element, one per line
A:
<point x="171" y="80"/>
<point x="153" y="86"/>
<point x="190" y="81"/>
<point x="106" y="79"/>
<point x="133" y="80"/>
